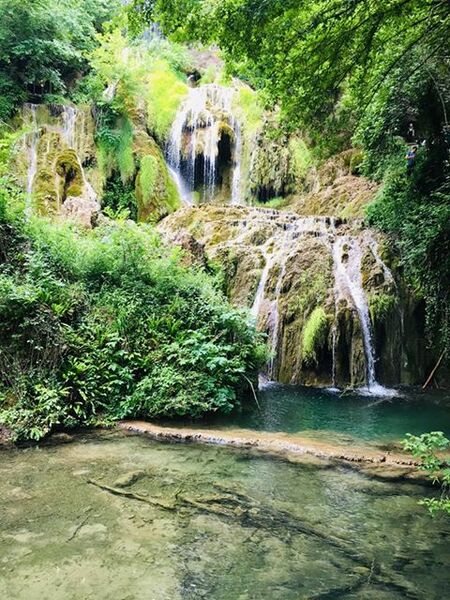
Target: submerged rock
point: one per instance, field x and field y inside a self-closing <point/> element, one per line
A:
<point x="128" y="479"/>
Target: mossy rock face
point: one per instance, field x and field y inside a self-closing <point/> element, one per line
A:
<point x="335" y="189"/>
<point x="58" y="167"/>
<point x="69" y="170"/>
<point x="242" y="273"/>
<point x="46" y="195"/>
<point x="307" y="284"/>
<point x="156" y="192"/>
<point x="299" y="282"/>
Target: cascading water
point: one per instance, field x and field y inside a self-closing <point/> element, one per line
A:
<point x="236" y="192"/>
<point x="183" y="190"/>
<point x="289" y="229"/>
<point x="69" y="117"/>
<point x="259" y="297"/>
<point x="194" y="139"/>
<point x="69" y="120"/>
<point x="283" y="258"/>
<point x="64" y="125"/>
<point x="31" y="145"/>
<point x="347" y="256"/>
<point x="285" y="266"/>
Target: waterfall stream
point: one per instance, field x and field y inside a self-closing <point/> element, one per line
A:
<point x="281" y="238"/>
<point x="259" y="297"/>
<point x="347" y="256"/>
<point x="63" y="125"/>
<point x="193" y="148"/>
<point x="31" y="141"/>
<point x="69" y="121"/>
<point x="348" y="280"/>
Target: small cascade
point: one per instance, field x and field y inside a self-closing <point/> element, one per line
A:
<point x="334" y="334"/>
<point x="288" y="230"/>
<point x="69" y="121"/>
<point x="69" y="117"/>
<point x="31" y="146"/>
<point x="204" y="120"/>
<point x="347" y="260"/>
<point x="53" y="130"/>
<point x="347" y="255"/>
<point x="236" y="192"/>
<point x="183" y="191"/>
<point x="259" y="297"/>
<point x="283" y="258"/>
<point x="284" y="267"/>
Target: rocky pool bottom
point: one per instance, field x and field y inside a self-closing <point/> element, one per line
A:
<point x="116" y="516"/>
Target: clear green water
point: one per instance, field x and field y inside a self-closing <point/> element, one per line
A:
<point x="300" y="409"/>
<point x="291" y="531"/>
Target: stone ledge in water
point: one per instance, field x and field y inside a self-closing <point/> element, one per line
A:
<point x="375" y="463"/>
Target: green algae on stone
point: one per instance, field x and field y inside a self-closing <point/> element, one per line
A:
<point x="156" y="193"/>
<point x="314" y="334"/>
<point x="164" y="94"/>
<point x="69" y="170"/>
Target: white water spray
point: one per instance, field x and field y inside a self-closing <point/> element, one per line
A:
<point x="31" y="143"/>
<point x="347" y="257"/>
<point x="69" y="121"/>
<point x="195" y="135"/>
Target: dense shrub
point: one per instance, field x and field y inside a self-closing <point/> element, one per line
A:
<point x="417" y="217"/>
<point x="109" y="325"/>
<point x="43" y="45"/>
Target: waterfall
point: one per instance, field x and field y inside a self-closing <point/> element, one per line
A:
<point x="31" y="145"/>
<point x="236" y="192"/>
<point x="183" y="191"/>
<point x="69" y="117"/>
<point x="347" y="256"/>
<point x="283" y="256"/>
<point x="285" y="266"/>
<point x="259" y="297"/>
<point x="69" y="121"/>
<point x="64" y="126"/>
<point x="289" y="228"/>
<point x="195" y="136"/>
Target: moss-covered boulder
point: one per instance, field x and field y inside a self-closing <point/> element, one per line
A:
<point x="156" y="192"/>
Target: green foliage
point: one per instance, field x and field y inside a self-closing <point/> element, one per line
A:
<point x="118" y="197"/>
<point x="276" y="203"/>
<point x="43" y="45"/>
<point x="351" y="71"/>
<point x="301" y="157"/>
<point x="114" y="136"/>
<point x="428" y="449"/>
<point x="109" y="324"/>
<point x="250" y="109"/>
<point x="125" y="156"/>
<point x="164" y="94"/>
<point x="380" y="305"/>
<point x="153" y="72"/>
<point x="419" y="223"/>
<point x="314" y="334"/>
<point x="305" y="53"/>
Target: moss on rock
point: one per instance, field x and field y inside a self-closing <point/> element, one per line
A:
<point x="314" y="335"/>
<point x="156" y="193"/>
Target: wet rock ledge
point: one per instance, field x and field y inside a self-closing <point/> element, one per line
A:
<point x="375" y="462"/>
